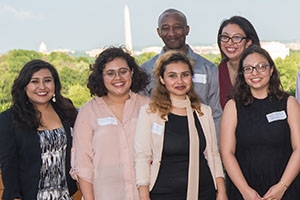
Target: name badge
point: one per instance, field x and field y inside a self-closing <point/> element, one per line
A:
<point x="200" y="78"/>
<point x="71" y="129"/>
<point x="157" y="129"/>
<point x="107" y="121"/>
<point x="275" y="116"/>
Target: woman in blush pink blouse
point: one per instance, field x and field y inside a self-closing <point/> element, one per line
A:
<point x="103" y="144"/>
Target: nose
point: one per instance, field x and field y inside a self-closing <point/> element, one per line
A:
<point x="171" y="31"/>
<point x="179" y="79"/>
<point x="230" y="41"/>
<point x="117" y="75"/>
<point x="254" y="71"/>
<point x="42" y="85"/>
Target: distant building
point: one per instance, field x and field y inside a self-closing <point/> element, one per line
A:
<point x="155" y="49"/>
<point x="276" y="49"/>
<point x="294" y="46"/>
<point x="94" y="52"/>
<point x="64" y="51"/>
<point x="43" y="48"/>
<point x="213" y="49"/>
<point x="128" y="38"/>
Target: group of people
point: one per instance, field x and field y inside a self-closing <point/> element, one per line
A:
<point x="175" y="128"/>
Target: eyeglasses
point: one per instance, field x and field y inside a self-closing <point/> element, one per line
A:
<point x="261" y="67"/>
<point x="234" y="39"/>
<point x="111" y="74"/>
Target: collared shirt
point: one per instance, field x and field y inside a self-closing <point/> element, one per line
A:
<point x="206" y="82"/>
<point x="103" y="148"/>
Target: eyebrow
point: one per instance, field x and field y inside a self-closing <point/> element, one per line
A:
<point x="179" y="72"/>
<point x="234" y="34"/>
<point x="42" y="77"/>
<point x="117" y="69"/>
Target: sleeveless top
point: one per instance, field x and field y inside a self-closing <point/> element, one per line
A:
<point x="172" y="179"/>
<point x="263" y="146"/>
<point x="53" y="182"/>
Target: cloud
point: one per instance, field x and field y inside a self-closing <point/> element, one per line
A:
<point x="21" y="14"/>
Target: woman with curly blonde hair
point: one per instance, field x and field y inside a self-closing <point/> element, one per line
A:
<point x="175" y="142"/>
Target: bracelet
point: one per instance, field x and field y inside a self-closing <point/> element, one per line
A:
<point x="283" y="184"/>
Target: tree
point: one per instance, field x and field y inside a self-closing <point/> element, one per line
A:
<point x="140" y="59"/>
<point x="288" y="69"/>
<point x="74" y="72"/>
<point x="16" y="59"/>
<point x="79" y="95"/>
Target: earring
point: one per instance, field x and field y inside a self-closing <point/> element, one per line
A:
<point x="53" y="98"/>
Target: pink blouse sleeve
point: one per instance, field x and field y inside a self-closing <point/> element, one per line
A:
<point x="82" y="150"/>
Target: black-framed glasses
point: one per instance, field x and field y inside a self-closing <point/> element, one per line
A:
<point x="111" y="74"/>
<point x="261" y="67"/>
<point x="234" y="39"/>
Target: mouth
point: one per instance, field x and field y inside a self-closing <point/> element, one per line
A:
<point x="180" y="87"/>
<point x="119" y="84"/>
<point x="172" y="39"/>
<point x="255" y="80"/>
<point x="42" y="93"/>
<point x="230" y="49"/>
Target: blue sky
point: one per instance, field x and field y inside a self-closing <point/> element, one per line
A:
<point x="89" y="24"/>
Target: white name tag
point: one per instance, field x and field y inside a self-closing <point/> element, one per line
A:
<point x="200" y="78"/>
<point x="71" y="129"/>
<point x="275" y="116"/>
<point x="107" y="121"/>
<point x="157" y="129"/>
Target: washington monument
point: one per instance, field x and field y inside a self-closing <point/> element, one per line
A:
<point x="128" y="40"/>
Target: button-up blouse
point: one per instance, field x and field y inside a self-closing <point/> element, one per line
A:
<point x="103" y="148"/>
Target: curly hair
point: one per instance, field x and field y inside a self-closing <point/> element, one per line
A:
<point x="160" y="98"/>
<point x="140" y="78"/>
<point x="24" y="113"/>
<point x="245" y="25"/>
<point x="241" y="90"/>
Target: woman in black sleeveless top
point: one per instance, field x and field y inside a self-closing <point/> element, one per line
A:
<point x="260" y="133"/>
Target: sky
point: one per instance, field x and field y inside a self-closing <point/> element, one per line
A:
<point x="91" y="24"/>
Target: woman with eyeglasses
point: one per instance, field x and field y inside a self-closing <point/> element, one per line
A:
<point x="103" y="144"/>
<point x="260" y="133"/>
<point x="234" y="36"/>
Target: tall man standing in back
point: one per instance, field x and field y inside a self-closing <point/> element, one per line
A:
<point x="173" y="29"/>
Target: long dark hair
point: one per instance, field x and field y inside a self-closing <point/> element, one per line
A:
<point x="241" y="90"/>
<point x="24" y="112"/>
<point x="95" y="82"/>
<point x="245" y="25"/>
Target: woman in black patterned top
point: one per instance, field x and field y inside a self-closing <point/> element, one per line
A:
<point x="36" y="138"/>
<point x="260" y="133"/>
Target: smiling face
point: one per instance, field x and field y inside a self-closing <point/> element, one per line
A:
<point x="117" y="77"/>
<point x="258" y="81"/>
<point x="177" y="78"/>
<point x="40" y="88"/>
<point x="234" y="50"/>
<point x="173" y="30"/>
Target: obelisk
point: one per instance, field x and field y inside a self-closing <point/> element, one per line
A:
<point x="128" y="41"/>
